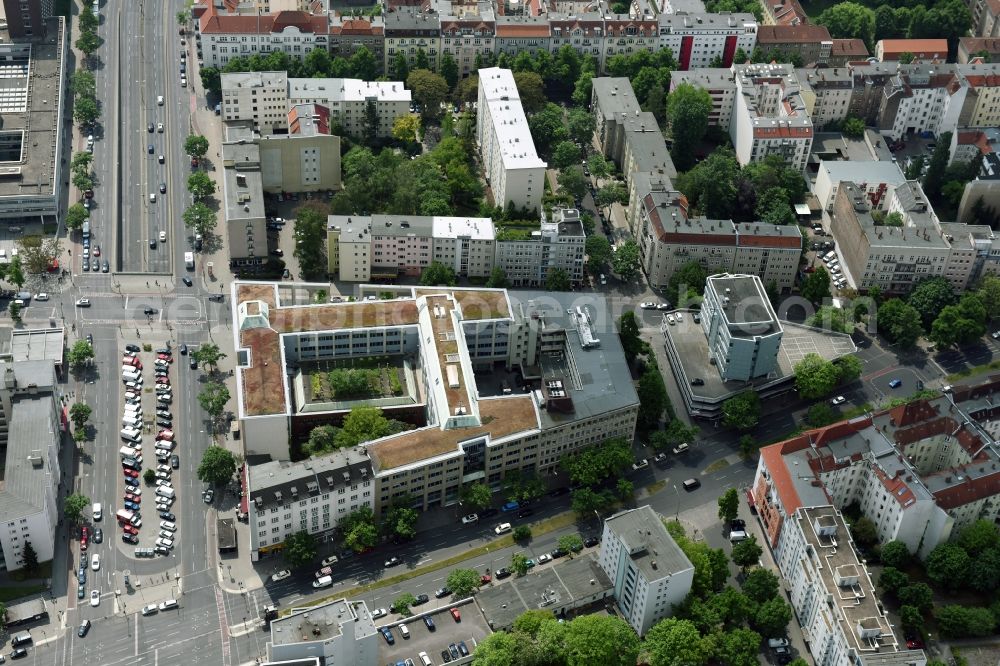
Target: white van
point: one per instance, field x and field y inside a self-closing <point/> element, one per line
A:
<point x="131" y="421"/>
<point x="131" y="434"/>
<point x="424" y="659"/>
<point x="130" y="376"/>
<point x="169" y="604"/>
<point x="165" y="445"/>
<point x="164" y="491"/>
<point x="404" y="631"/>
<point x="97" y="511"/>
<point x="325" y="581"/>
<point x="128" y="452"/>
<point x="167" y="525"/>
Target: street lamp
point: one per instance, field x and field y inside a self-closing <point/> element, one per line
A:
<point x="677" y="504"/>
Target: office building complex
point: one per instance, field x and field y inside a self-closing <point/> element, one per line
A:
<point x="514" y="172"/>
<point x="31" y="428"/>
<point x="743" y="332"/>
<point x="429" y="344"/>
<point x="528" y="257"/>
<point x="650" y="573"/>
<point x="28" y="19"/>
<point x="334" y="632"/>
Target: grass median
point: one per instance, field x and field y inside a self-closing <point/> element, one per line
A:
<point x="537" y="529"/>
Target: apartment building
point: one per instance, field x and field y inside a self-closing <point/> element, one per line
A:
<point x="891" y="258"/>
<point x="334" y="632"/>
<point x="348" y="34"/>
<point x="922" y="50"/>
<point x="564" y="345"/>
<point x="31" y="429"/>
<point x="698" y="40"/>
<point x="527" y="259"/>
<point x="669" y="239"/>
<point x="982" y="104"/>
<point x="522" y="33"/>
<point x="352" y="102"/>
<point x="870" y="80"/>
<point x="514" y="172"/>
<point x="720" y="83"/>
<point x="243" y="198"/>
<point x="312" y="496"/>
<point x="409" y="30"/>
<point x="307" y="159"/>
<point x="260" y="97"/>
<point x="744" y="334"/>
<point x="469" y="39"/>
<point x="972" y="144"/>
<point x="770" y="116"/>
<point x="385" y="247"/>
<point x="915" y="100"/>
<point x="827" y="93"/>
<point x="650" y="573"/>
<point x="784" y="12"/>
<point x="805" y="41"/>
<point x="973" y="47"/>
<point x="847" y="50"/>
<point x="221" y="35"/>
<point x="820" y="565"/>
<point x="876" y="179"/>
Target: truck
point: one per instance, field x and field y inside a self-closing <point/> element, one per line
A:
<point x="124" y="516"/>
<point x="189" y="260"/>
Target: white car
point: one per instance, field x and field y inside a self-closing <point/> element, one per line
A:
<point x="159" y="100"/>
<point x="95" y="598"/>
<point x="282" y="575"/>
<point x="159" y="127"/>
<point x="379" y="612"/>
<point x="134" y="490"/>
<point x="640" y="464"/>
<point x="470" y="519"/>
<point x="328" y="561"/>
<point x="648" y="305"/>
<point x="680" y="316"/>
<point x="41" y="297"/>
<point x="542" y="559"/>
<point x="95" y="562"/>
<point x="83" y="302"/>
<point x="165" y="542"/>
<point x="839" y="400"/>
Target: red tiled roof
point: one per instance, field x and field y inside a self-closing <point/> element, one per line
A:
<point x="356" y="26"/>
<point x="849" y="47"/>
<point x="893" y="48"/>
<point x="782" y="131"/>
<point x="757" y="240"/>
<point x="977" y="44"/>
<point x="213" y="23"/>
<point x="527" y="30"/>
<point x="792" y="34"/>
<point x="983" y="80"/>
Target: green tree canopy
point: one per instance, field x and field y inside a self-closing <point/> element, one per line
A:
<point x="401" y="520"/>
<point x="310" y="240"/>
<point x="947" y="566"/>
<point x="895" y="554"/>
<point x="600" y="639"/>
<point x="850" y="20"/>
<point x="729" y="504"/>
<point x="598" y="251"/>
<point x="675" y="642"/>
<point x="300" y="549"/>
<point x="816" y="287"/>
<point x="429" y="90"/>
<point x="958" y="621"/>
<point x="195" y="145"/>
<point x="200" y="185"/>
<point x="573" y="182"/>
<point x="359" y="529"/>
<point x="747" y="553"/>
<point x="364" y="424"/>
<point x="557" y="280"/>
<point x="463" y="582"/>
<point x="815" y="377"/>
<point x="653" y="399"/>
<point x="79" y="414"/>
<point x="218" y="466"/>
<point x="760" y="585"/>
<point x="213" y="398"/>
<point x="900" y="322"/>
<point x="199" y="218"/>
<point x="593" y="465"/>
<point x="742" y="411"/>
<point x="80" y="355"/>
<point x="438" y="275"/>
<point x="929" y="297"/>
<point x="403" y="603"/>
<point x="688" y="108"/>
<point x="531" y="90"/>
<point x="76" y="215"/>
<point x="477" y="496"/>
<point x="73" y="507"/>
<point x="626" y="260"/>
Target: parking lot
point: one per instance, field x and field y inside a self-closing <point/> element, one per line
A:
<point x="470" y="629"/>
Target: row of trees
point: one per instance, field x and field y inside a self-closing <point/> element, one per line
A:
<point x="893" y="19"/>
<point x="200" y="217"/>
<point x="88" y="42"/>
<point x="84" y="87"/>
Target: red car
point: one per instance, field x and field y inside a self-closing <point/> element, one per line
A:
<point x="84" y="533"/>
<point x="133" y="498"/>
<point x="130" y="473"/>
<point x="455" y="614"/>
<point x="485" y="579"/>
<point x="83" y="545"/>
<point x="165" y="357"/>
<point x="162" y="380"/>
<point x="130" y="529"/>
<point x="915" y="642"/>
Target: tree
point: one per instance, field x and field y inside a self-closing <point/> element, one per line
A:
<point x="853" y="127"/>
<point x="738" y="647"/>
<point x="83" y="84"/>
<point x="406" y="128"/>
<point x="531" y="90"/>
<point x="213" y="398"/>
<point x="208" y="353"/>
<point x="322" y="439"/>
<point x="760" y="585"/>
<point x="610" y="194"/>
<point x="519" y="564"/>
<point x="729" y="505"/>
<point x="438" y="275"/>
<point x="821" y="414"/>
<point x="593" y="465"/>
<point x="14" y="309"/>
<point x="848" y="369"/>
<point x="688" y="109"/>
<point x="195" y="145"/>
<point x="816" y="287"/>
<point x="463" y="582"/>
<point x="429" y="90"/>
<point x="581" y="126"/>
<point x="832" y="319"/>
<point x="217" y="467"/>
<point x="85" y="110"/>
<point x="200" y="185"/>
<point x="815" y="377"/>
<point x="571" y="543"/>
<point x="912" y="619"/>
<point x="573" y="182"/>
<point x="626" y="260"/>
<point x="864" y="532"/>
<point x="747" y="553"/>
<point x="960" y="324"/>
<point x="199" y="218"/>
<point x="300" y="549"/>
<point x="675" y="642"/>
<point x="79" y="414"/>
<point x="892" y="580"/>
<point x="741" y="411"/>
<point x="498" y="279"/>
<point x="600" y="639"/>
<point x="359" y="529"/>
<point x="947" y="566"/>
<point x="711" y="185"/>
<point x="772" y="617"/>
<point x="957" y="621"/>
<point x="80" y="355"/>
<point x="626" y="489"/>
<point x="600" y="166"/>
<point x="978" y="537"/>
<point x="899" y="322"/>
<point x="73" y="507"/>
<point x="895" y="554"/>
<point x="557" y="280"/>
<point x="918" y="595"/>
<point x="502" y="649"/>
<point x="82" y="181"/>
<point x="850" y="20"/>
<point x="363" y="65"/>
<point x="477" y="495"/>
<point x="88" y="43"/>
<point x="934" y="178"/>
<point x="402" y="604"/>
<point x="628" y="331"/>
<point x="449" y="70"/>
<point x="400" y="66"/>
<point x="211" y="80"/>
<point x="585" y="501"/>
<point x="365" y="424"/>
<point x="565" y="154"/>
<point x="310" y="240"/>
<point x="653" y="398"/>
<point x="401" y="520"/>
<point x="676" y="432"/>
<point x="547" y="127"/>
<point x="76" y="215"/>
<point x="30" y="558"/>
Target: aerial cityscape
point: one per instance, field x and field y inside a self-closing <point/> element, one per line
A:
<point x="500" y="332"/>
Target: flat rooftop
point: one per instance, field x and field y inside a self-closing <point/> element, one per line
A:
<point x="653" y="551"/>
<point x="38" y="344"/>
<point x="565" y="583"/>
<point x="347" y="90"/>
<point x="517" y="148"/>
<point x="242" y="183"/>
<point x="317" y="624"/>
<point x="31" y="98"/>
<point x="235" y="80"/>
<point x="26" y="475"/>
<point x="742" y="300"/>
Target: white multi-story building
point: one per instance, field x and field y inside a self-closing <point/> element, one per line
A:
<point x="827" y="93"/>
<point x="720" y="83"/>
<point x="265" y="98"/>
<point x="770" y="116"/>
<point x="875" y="178"/>
<point x="313" y="497"/>
<point x="833" y="596"/>
<point x="514" y="172"/>
<point x="435" y="338"/>
<point x="31" y="430"/>
<point x="744" y="334"/>
<point x="650" y="573"/>
<point x="916" y="99"/>
<point x="335" y="632"/>
<point x="527" y="258"/>
<point x="698" y="40"/>
<point x="221" y="35"/>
